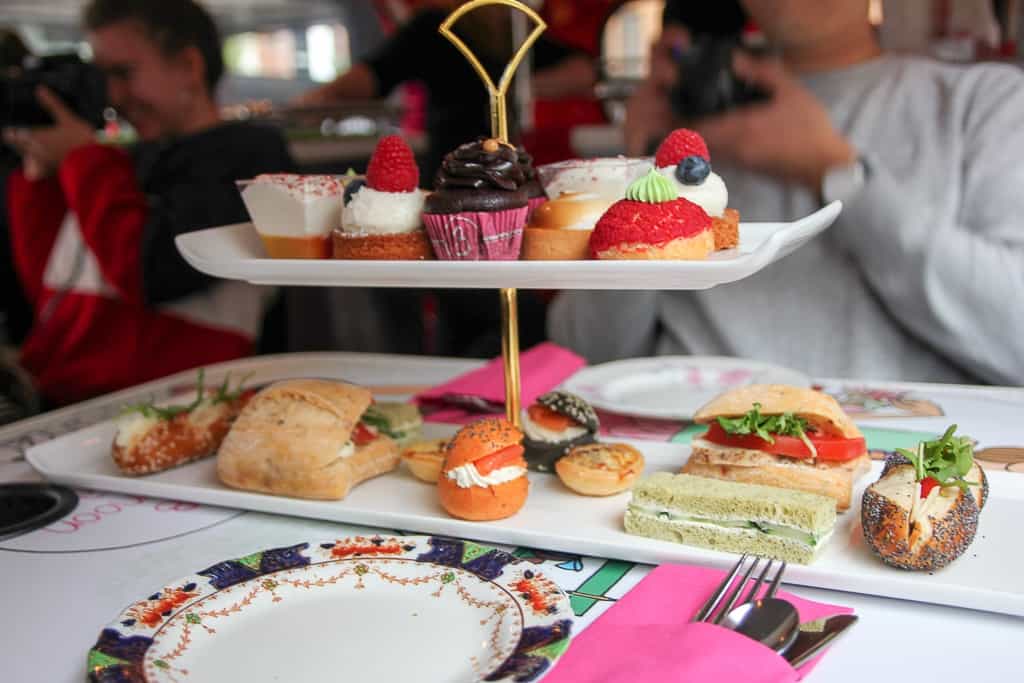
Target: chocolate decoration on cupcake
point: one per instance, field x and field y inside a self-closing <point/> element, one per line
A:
<point x="479" y="205"/>
<point x="483" y="175"/>
<point x="553" y="425"/>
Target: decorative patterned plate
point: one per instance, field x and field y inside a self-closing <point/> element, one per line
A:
<point x="387" y="608"/>
<point x="672" y="387"/>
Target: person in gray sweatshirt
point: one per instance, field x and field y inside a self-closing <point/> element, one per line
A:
<point x="921" y="277"/>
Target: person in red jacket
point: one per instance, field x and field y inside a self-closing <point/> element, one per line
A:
<point x="92" y="226"/>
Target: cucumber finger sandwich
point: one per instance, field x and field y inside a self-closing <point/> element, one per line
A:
<point x="731" y="516"/>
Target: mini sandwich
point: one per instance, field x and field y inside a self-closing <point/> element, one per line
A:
<point x="400" y="421"/>
<point x="558" y="421"/>
<point x="305" y="438"/>
<point x="923" y="512"/>
<point x="778" y="435"/>
<point x="736" y="518"/>
<point x="484" y="473"/>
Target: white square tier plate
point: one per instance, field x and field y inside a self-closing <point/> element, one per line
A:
<point x="234" y="252"/>
<point x="986" y="577"/>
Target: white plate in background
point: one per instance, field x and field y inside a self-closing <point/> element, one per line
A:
<point x="672" y="387"/>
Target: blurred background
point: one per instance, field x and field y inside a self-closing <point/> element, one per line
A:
<point x="276" y="49"/>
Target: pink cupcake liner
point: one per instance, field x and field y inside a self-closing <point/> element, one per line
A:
<point x="477" y="235"/>
<point x="532" y="204"/>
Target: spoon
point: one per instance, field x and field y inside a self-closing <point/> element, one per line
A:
<point x="771" y="621"/>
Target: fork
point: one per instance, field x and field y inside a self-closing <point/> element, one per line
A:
<point x="710" y="611"/>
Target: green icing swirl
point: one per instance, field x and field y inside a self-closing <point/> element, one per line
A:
<point x="652" y="188"/>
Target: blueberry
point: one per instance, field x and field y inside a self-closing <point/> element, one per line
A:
<point x="693" y="170"/>
<point x="352" y="188"/>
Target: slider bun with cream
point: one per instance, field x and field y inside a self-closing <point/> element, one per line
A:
<point x="484" y="473"/>
<point x="304" y="438"/>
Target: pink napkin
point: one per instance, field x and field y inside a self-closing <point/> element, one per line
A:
<point x="541" y="368"/>
<point x="646" y="636"/>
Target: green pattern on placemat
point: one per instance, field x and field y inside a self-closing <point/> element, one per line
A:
<point x="688" y="432"/>
<point x="599" y="583"/>
<point x="888" y="440"/>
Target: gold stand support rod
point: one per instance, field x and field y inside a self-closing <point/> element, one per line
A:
<point x="510" y="353"/>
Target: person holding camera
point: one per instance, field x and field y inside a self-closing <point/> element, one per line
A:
<point x="922" y="275"/>
<point x="92" y="226"/>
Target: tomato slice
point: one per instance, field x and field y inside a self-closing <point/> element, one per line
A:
<point x="363" y="435"/>
<point x="511" y="456"/>
<point x="549" y="419"/>
<point x="830" y="448"/>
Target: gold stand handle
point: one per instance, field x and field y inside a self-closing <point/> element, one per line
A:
<point x="499" y="130"/>
<point x="510" y="353"/>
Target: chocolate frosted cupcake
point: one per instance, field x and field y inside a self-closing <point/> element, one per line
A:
<point x="535" y="194"/>
<point x="479" y="205"/>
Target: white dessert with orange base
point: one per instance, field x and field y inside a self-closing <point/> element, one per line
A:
<point x="294" y="214"/>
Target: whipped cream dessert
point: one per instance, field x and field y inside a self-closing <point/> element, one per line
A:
<point x="710" y="194"/>
<point x="374" y="212"/>
<point x="294" y="214"/>
<point x="606" y="177"/>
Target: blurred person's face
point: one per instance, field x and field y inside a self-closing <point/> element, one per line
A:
<point x="154" y="92"/>
<point x="798" y="23"/>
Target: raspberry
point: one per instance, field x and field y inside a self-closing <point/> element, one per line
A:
<point x="630" y="222"/>
<point x="680" y="143"/>
<point x="392" y="167"/>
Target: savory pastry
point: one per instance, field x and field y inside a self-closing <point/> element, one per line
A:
<point x="683" y="158"/>
<point x="558" y="421"/>
<point x="425" y="458"/>
<point x="381" y="218"/>
<point x="479" y="205"/>
<point x="304" y="438"/>
<point x="778" y="435"/>
<point x="923" y="512"/>
<point x="153" y="438"/>
<point x="294" y="214"/>
<point x="400" y="421"/>
<point x="484" y="474"/>
<point x="600" y="469"/>
<point x="737" y="518"/>
<point x="652" y="222"/>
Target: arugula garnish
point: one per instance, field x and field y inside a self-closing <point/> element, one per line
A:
<point x="224" y="395"/>
<point x="767" y="426"/>
<point x="378" y="421"/>
<point x="150" y="409"/>
<point x="221" y="394"/>
<point x="946" y="459"/>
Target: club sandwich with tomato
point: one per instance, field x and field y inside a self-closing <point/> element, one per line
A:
<point x="783" y="436"/>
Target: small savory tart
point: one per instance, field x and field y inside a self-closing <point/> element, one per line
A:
<point x="600" y="469"/>
<point x="558" y="421"/>
<point x="425" y="458"/>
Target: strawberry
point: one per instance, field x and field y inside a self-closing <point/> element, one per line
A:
<point x="680" y="143"/>
<point x="392" y="167"/>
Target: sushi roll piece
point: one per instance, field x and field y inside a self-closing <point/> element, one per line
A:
<point x="558" y="421"/>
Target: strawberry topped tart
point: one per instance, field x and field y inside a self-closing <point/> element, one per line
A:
<point x="652" y="222"/>
<point x="683" y="158"/>
<point x="381" y="217"/>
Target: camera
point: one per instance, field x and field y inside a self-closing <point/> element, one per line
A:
<point x="706" y="83"/>
<point x="80" y="85"/>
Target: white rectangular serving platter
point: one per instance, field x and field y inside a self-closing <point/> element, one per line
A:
<point x="234" y="252"/>
<point x="986" y="577"/>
